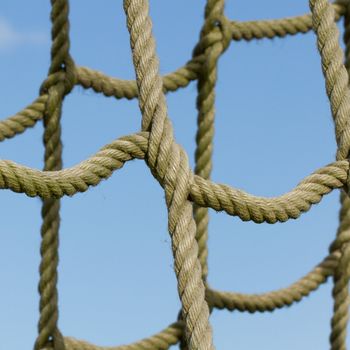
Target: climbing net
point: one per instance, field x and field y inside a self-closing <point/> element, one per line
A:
<point x="188" y="194"/>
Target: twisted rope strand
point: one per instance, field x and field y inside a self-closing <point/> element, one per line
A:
<point x="214" y="10"/>
<point x="337" y="87"/>
<point x="269" y="29"/>
<point x="340" y="310"/>
<point x="62" y="68"/>
<point x="334" y="71"/>
<point x="341" y="297"/>
<point x="50" y="228"/>
<point x="24" y="119"/>
<point x="262" y="209"/>
<point x="56" y="184"/>
<point x="160" y="341"/>
<point x="341" y="278"/>
<point x="276" y="299"/>
<point x="341" y="274"/>
<point x="169" y="164"/>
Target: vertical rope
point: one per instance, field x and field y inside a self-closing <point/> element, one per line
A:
<point x="341" y="275"/>
<point x="334" y="71"/>
<point x="205" y="103"/>
<point x="49" y="231"/>
<point x="60" y="81"/>
<point x="341" y="297"/>
<point x="337" y="87"/>
<point x="60" y="57"/>
<point x="169" y="164"/>
<point x="214" y="11"/>
<point x="346" y="37"/>
<point x="341" y="278"/>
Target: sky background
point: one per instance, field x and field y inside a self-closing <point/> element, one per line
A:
<point x="116" y="278"/>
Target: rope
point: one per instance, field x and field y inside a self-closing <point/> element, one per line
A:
<point x="91" y="172"/>
<point x="341" y="279"/>
<point x="337" y="87"/>
<point x="59" y="83"/>
<point x="188" y="194"/>
<point x="160" y="341"/>
<point x="215" y="22"/>
<point x="169" y="164"/>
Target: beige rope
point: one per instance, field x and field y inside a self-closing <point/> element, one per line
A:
<point x="55" y="184"/>
<point x="60" y="82"/>
<point x="169" y="165"/>
<point x="118" y="88"/>
<point x="276" y="299"/>
<point x="160" y="341"/>
<point x="214" y="14"/>
<point x="337" y="87"/>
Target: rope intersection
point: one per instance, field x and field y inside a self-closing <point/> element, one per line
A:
<point x="189" y="194"/>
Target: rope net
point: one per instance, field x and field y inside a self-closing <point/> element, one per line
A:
<point x="188" y="194"/>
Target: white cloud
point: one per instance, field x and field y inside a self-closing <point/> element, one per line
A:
<point x="11" y="38"/>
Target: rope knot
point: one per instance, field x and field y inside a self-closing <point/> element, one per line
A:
<point x="55" y="343"/>
<point x="343" y="234"/>
<point x="340" y="242"/>
<point x="66" y="77"/>
<point x="58" y="341"/>
<point x="223" y="23"/>
<point x="216" y="30"/>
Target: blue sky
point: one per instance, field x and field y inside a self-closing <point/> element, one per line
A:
<point x="116" y="279"/>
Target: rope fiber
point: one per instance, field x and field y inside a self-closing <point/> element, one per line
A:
<point x="188" y="194"/>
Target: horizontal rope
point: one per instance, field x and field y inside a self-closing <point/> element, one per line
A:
<point x="160" y="341"/>
<point x="262" y="209"/>
<point x="55" y="184"/>
<point x="269" y="29"/>
<point x="231" y="301"/>
<point x="119" y="88"/>
<point x="271" y="301"/>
